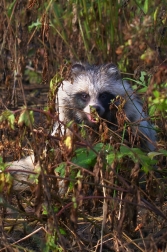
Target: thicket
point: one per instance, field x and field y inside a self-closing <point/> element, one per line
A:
<point x="108" y="195"/>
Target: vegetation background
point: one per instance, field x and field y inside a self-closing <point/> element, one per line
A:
<point x="103" y="208"/>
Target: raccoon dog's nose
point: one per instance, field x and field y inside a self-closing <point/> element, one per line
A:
<point x="96" y="108"/>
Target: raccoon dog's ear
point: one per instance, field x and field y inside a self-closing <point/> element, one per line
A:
<point x="112" y="70"/>
<point x="77" y="68"/>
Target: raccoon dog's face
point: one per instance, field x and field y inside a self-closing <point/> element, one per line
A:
<point x="91" y="92"/>
<point x="88" y="105"/>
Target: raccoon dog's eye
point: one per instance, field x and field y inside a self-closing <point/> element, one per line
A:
<point x="84" y="96"/>
<point x="106" y="95"/>
<point x="103" y="96"/>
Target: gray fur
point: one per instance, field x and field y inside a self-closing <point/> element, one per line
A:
<point x="17" y="169"/>
<point x="91" y="81"/>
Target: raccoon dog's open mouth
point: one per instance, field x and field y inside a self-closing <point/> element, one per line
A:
<point x="92" y="118"/>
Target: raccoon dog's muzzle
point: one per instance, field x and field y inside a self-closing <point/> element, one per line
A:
<point x="92" y="112"/>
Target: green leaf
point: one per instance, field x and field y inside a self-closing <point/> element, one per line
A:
<point x="10" y="8"/>
<point x="26" y="118"/>
<point x="37" y="24"/>
<point x="79" y="176"/>
<point x="146" y="5"/>
<point x="142" y="77"/>
<point x="61" y="169"/>
<point x="84" y="158"/>
<point x="2" y="165"/>
<point x="154" y="154"/>
<point x="11" y="120"/>
<point x="6" y="180"/>
<point x="62" y="231"/>
<point x="110" y="158"/>
<point x="44" y="210"/>
<point x="137" y="155"/>
<point x="156" y="13"/>
<point x="54" y="83"/>
<point x="8" y="115"/>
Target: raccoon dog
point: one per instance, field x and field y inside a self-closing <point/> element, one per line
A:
<point x="93" y="88"/>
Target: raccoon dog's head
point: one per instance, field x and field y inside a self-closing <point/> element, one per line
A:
<point x="92" y="90"/>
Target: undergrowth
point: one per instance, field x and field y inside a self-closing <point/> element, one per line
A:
<point x="101" y="195"/>
<point x="80" y="189"/>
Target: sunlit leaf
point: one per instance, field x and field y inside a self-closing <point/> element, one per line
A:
<point x="11" y="120"/>
<point x="146" y="6"/>
<point x="68" y="142"/>
<point x="26" y="117"/>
